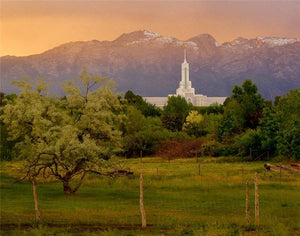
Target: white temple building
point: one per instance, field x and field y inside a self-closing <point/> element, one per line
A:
<point x="185" y="90"/>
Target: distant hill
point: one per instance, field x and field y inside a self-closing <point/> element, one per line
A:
<point x="149" y="64"/>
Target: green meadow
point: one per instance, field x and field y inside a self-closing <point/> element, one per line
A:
<point x="177" y="199"/>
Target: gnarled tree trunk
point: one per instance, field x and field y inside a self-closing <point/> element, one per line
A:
<point x="68" y="190"/>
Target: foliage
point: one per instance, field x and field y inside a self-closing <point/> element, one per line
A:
<point x="65" y="137"/>
<point x="226" y="150"/>
<point x="194" y="124"/>
<point x="175" y="113"/>
<point x="135" y="120"/>
<point x="244" y="108"/>
<point x="7" y="151"/>
<point x="249" y="139"/>
<point x="146" y="108"/>
<point x="251" y="102"/>
<point x="288" y="114"/>
<point x="212" y="122"/>
<point x="141" y="134"/>
<point x="289" y="141"/>
<point x="181" y="148"/>
<point x="214" y="108"/>
<point x="279" y="129"/>
<point x="268" y="129"/>
<point x="231" y="122"/>
<point x="198" y="125"/>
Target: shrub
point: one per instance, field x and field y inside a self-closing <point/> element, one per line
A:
<point x="226" y="150"/>
<point x="250" y="139"/>
<point x="181" y="148"/>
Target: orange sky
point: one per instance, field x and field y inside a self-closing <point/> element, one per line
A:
<point x="30" y="27"/>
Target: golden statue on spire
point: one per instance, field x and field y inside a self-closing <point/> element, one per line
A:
<point x="184" y="51"/>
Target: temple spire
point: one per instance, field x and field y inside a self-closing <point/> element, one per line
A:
<point x="184" y="45"/>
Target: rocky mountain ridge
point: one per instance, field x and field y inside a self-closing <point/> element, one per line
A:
<point x="149" y="64"/>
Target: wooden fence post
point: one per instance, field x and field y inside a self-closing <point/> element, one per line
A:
<point x="36" y="203"/>
<point x="256" y="200"/>
<point x="144" y="224"/>
<point x="247" y="203"/>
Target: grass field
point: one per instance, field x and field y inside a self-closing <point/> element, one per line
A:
<point x="178" y="201"/>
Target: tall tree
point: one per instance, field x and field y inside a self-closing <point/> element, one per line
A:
<point x="268" y="130"/>
<point x="252" y="104"/>
<point x="243" y="110"/>
<point x="65" y="137"/>
<point x="288" y="115"/>
<point x="175" y="113"/>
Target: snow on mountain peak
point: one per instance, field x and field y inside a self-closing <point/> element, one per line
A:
<point x="165" y="39"/>
<point x="217" y="44"/>
<point x="151" y="34"/>
<point x="275" y="41"/>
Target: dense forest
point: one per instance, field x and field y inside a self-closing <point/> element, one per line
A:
<point x="96" y="122"/>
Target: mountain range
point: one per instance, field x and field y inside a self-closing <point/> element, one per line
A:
<point x="149" y="64"/>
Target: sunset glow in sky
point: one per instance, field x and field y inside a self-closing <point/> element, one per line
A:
<point x="30" y="27"/>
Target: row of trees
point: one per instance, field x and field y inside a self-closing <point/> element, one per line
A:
<point x="260" y="125"/>
<point x="78" y="133"/>
<point x="245" y="125"/>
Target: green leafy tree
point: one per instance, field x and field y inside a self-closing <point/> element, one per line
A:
<point x="142" y="134"/>
<point x="243" y="110"/>
<point x="252" y="104"/>
<point x="288" y="115"/>
<point x="135" y="122"/>
<point x="278" y="131"/>
<point x="194" y="124"/>
<point x="251" y="139"/>
<point x="212" y="122"/>
<point x="146" y="108"/>
<point x="175" y="112"/>
<point x="214" y="108"/>
<point x="268" y="129"/>
<point x="2" y="95"/>
<point x="7" y="151"/>
<point x="67" y="137"/>
<point x="231" y="122"/>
